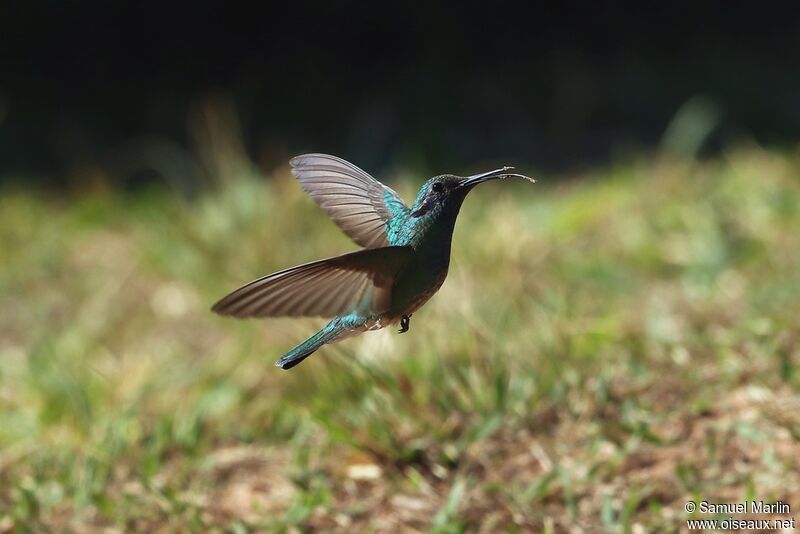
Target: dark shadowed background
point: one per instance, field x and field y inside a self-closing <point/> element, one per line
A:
<point x="112" y="87"/>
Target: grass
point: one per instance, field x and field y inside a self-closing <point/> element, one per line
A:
<point x="606" y="347"/>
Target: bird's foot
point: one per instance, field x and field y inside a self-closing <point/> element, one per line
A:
<point x="405" y="323"/>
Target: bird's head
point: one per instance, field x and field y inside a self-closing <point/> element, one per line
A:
<point x="447" y="192"/>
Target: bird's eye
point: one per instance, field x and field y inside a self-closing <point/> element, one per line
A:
<point x="437" y="187"/>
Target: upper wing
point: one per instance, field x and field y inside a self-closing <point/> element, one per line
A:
<point x="358" y="203"/>
<point x="357" y="281"/>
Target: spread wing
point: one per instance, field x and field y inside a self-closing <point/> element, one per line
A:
<point x="358" y="203"/>
<point x="360" y="281"/>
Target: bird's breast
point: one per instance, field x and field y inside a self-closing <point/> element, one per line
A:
<point x="424" y="296"/>
<point x="417" y="284"/>
<point x="425" y="274"/>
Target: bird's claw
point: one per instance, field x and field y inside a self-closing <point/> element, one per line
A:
<point x="405" y="322"/>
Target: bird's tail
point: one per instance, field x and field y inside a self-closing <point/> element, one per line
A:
<point x="337" y="329"/>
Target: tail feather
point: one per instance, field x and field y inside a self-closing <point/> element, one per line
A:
<point x="336" y="329"/>
<point x="297" y="355"/>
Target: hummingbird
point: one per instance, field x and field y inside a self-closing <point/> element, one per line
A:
<point x="404" y="261"/>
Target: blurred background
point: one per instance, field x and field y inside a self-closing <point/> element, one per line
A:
<point x="610" y="343"/>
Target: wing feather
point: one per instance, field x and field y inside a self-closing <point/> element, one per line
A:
<point x="353" y="199"/>
<point x="360" y="280"/>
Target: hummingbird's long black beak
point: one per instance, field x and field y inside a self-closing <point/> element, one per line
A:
<point x="496" y="174"/>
